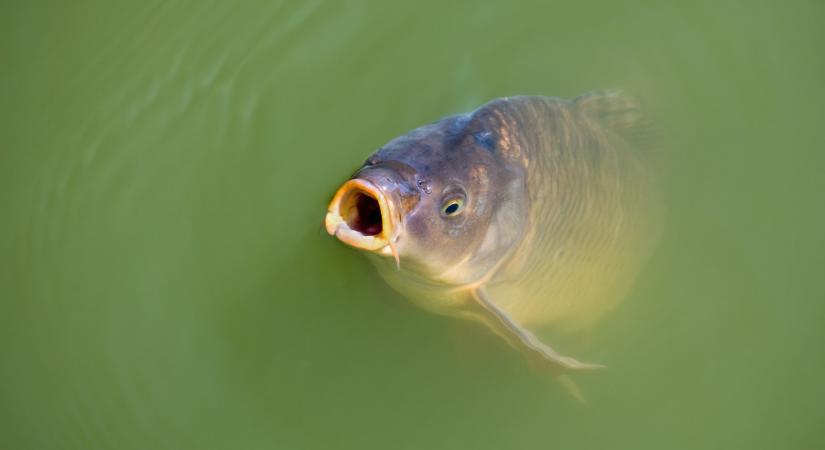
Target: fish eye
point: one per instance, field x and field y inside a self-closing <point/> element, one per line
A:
<point x="452" y="206"/>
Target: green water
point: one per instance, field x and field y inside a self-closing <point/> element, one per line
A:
<point x="164" y="282"/>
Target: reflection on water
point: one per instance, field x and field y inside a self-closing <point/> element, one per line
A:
<point x="165" y="283"/>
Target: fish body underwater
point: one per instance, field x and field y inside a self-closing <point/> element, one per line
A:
<point x="527" y="212"/>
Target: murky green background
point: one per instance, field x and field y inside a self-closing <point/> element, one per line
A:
<point x="164" y="170"/>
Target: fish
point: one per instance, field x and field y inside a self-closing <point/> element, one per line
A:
<point x="527" y="212"/>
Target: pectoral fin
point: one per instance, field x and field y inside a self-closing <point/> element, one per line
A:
<point x="520" y="338"/>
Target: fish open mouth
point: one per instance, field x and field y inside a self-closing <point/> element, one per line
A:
<point x="360" y="215"/>
<point x="363" y="214"/>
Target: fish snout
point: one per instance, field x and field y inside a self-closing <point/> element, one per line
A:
<point x="362" y="214"/>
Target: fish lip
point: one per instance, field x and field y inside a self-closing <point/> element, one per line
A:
<point x="337" y="225"/>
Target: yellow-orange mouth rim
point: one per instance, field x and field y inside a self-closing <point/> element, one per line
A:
<point x="339" y="210"/>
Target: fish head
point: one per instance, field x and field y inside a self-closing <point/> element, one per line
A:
<point x="441" y="201"/>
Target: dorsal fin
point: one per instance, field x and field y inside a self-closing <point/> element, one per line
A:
<point x="622" y="114"/>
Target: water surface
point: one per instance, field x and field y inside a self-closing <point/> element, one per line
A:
<point x="164" y="282"/>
